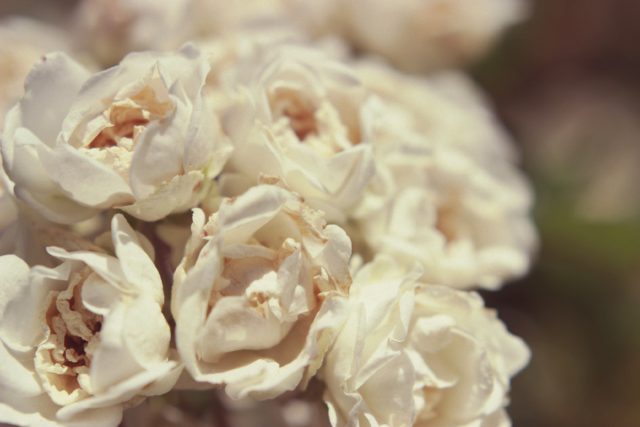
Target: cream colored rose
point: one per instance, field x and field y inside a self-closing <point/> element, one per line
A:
<point x="415" y="35"/>
<point x="139" y="136"/>
<point x="468" y="358"/>
<point x="447" y="192"/>
<point x="300" y="119"/>
<point x="260" y="293"/>
<point x="417" y="355"/>
<point x="22" y="44"/>
<point x="447" y="109"/>
<point x="94" y="339"/>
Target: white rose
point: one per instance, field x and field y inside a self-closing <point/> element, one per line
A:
<point x="300" y="120"/>
<point x="446" y="108"/>
<point x="418" y="355"/>
<point x="22" y="44"/>
<point x="83" y="339"/>
<point x="260" y="293"/>
<point x="468" y="358"/>
<point x="447" y="193"/>
<point x="139" y="136"/>
<point x="415" y="35"/>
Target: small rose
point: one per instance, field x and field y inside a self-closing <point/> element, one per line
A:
<point x="139" y="136"/>
<point x="414" y="35"/>
<point x="300" y="119"/>
<point x="411" y="354"/>
<point x="447" y="193"/>
<point x="259" y="293"/>
<point x="94" y="340"/>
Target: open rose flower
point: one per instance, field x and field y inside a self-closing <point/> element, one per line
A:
<point x="417" y="355"/>
<point x="139" y="136"/>
<point x="300" y="119"/>
<point x="260" y="293"/>
<point x="447" y="192"/>
<point x="94" y="339"/>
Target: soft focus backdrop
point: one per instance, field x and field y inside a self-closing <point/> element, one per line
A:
<point x="567" y="85"/>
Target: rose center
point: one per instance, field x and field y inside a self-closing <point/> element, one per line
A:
<point x="299" y="112"/>
<point x="73" y="335"/>
<point x="432" y="397"/>
<point x="126" y="118"/>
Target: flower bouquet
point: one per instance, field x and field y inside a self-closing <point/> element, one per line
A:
<point x="206" y="196"/>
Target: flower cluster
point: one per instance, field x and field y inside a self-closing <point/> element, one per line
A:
<point x="253" y="211"/>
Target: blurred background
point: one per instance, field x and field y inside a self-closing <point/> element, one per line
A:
<point x="567" y="85"/>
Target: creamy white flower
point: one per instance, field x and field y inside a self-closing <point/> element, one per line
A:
<point x="417" y="355"/>
<point x="416" y="35"/>
<point x="225" y="51"/>
<point x="83" y="339"/>
<point x="139" y="136"/>
<point x="447" y="108"/>
<point x="22" y="44"/>
<point x="260" y="293"/>
<point x="447" y="192"/>
<point x="300" y="119"/>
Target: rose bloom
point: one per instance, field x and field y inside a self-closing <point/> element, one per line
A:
<point x="447" y="192"/>
<point x="82" y="340"/>
<point x="414" y="35"/>
<point x="412" y="354"/>
<point x="300" y="117"/>
<point x="139" y="136"/>
<point x="22" y="44"/>
<point x="260" y="293"/>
